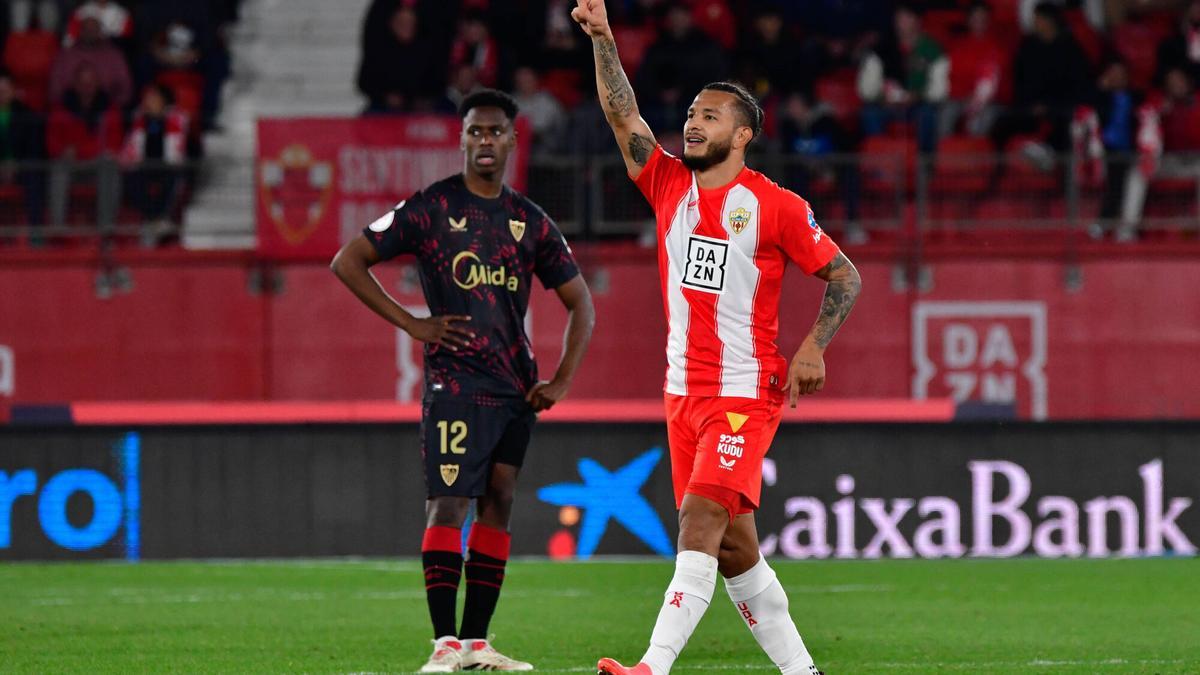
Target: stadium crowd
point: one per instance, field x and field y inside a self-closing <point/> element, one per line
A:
<point x="102" y="104"/>
<point x="1110" y="82"/>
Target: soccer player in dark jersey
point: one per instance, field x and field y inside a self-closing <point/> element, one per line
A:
<point x="478" y="245"/>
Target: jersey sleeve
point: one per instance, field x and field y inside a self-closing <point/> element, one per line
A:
<point x="402" y="229"/>
<point x="554" y="264"/>
<point x="663" y="174"/>
<point x="800" y="237"/>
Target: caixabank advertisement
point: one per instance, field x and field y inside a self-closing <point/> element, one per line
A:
<point x="830" y="491"/>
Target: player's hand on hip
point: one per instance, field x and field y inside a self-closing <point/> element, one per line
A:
<point x="806" y="374"/>
<point x="591" y="16"/>
<point x="543" y="395"/>
<point x="446" y="330"/>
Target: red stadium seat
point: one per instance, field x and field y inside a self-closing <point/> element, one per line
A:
<point x="1006" y="21"/>
<point x="187" y="87"/>
<point x="1085" y="35"/>
<point x="887" y="162"/>
<point x="943" y="25"/>
<point x="563" y="84"/>
<point x="1022" y="175"/>
<point x="839" y="91"/>
<point x="65" y="130"/>
<point x="714" y="18"/>
<point x="29" y="56"/>
<point x="1137" y="43"/>
<point x="632" y="43"/>
<point x="963" y="165"/>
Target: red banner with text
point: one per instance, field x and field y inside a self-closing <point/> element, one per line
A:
<point x="320" y="181"/>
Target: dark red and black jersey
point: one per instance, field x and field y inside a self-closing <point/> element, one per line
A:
<point x="477" y="257"/>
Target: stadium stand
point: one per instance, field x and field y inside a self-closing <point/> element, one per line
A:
<point x="75" y="134"/>
<point x="1011" y="105"/>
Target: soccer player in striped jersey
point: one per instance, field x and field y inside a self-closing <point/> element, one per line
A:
<point x="725" y="235"/>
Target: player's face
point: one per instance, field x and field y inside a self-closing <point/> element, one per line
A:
<point x="487" y="139"/>
<point x="709" y="130"/>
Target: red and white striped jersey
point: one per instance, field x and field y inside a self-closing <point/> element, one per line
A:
<point x="721" y="258"/>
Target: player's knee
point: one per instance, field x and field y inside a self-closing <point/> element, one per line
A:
<point x="702" y="524"/>
<point x="736" y="558"/>
<point x="447" y="511"/>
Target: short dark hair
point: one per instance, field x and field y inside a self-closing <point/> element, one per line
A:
<point x="1050" y="11"/>
<point x="750" y="112"/>
<point x="491" y="98"/>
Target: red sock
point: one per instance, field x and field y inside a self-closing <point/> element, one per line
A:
<point x="487" y="551"/>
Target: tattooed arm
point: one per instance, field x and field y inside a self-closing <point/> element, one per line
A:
<point x="807" y="372"/>
<point x="616" y="95"/>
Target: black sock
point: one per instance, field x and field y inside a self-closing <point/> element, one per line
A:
<point x="441" y="556"/>
<point x="487" y="551"/>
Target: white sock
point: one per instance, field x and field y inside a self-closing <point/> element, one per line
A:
<point x="685" y="601"/>
<point x="763" y="604"/>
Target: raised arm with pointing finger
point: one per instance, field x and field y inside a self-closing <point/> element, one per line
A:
<point x="616" y="95"/>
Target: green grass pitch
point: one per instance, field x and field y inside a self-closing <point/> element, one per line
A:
<point x="964" y="616"/>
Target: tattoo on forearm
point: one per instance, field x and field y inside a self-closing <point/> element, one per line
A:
<point x="839" y="299"/>
<point x="620" y="100"/>
<point x="640" y="148"/>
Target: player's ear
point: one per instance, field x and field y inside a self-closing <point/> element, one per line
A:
<point x="742" y="137"/>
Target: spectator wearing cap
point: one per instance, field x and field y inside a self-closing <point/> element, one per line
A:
<point x="115" y="22"/>
<point x="96" y="51"/>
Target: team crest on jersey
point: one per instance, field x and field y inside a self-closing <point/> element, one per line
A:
<point x="449" y="473"/>
<point x="739" y="218"/>
<point x="705" y="267"/>
<point x="517" y="227"/>
<point x="459" y="225"/>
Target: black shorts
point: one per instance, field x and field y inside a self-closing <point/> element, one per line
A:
<point x="462" y="437"/>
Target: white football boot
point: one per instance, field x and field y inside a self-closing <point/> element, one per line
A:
<point x="481" y="655"/>
<point x="447" y="656"/>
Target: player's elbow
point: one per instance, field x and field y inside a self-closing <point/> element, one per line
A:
<point x="622" y="121"/>
<point x="342" y="264"/>
<point x="851" y="280"/>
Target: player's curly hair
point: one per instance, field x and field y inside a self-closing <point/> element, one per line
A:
<point x="492" y="98"/>
<point x="749" y="110"/>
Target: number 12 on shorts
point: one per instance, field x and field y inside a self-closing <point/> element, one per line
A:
<point x="453" y="434"/>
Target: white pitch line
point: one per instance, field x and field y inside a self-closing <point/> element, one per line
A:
<point x="133" y="598"/>
<point x="840" y="588"/>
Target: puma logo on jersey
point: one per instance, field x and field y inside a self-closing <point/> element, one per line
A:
<point x="705" y="267"/>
